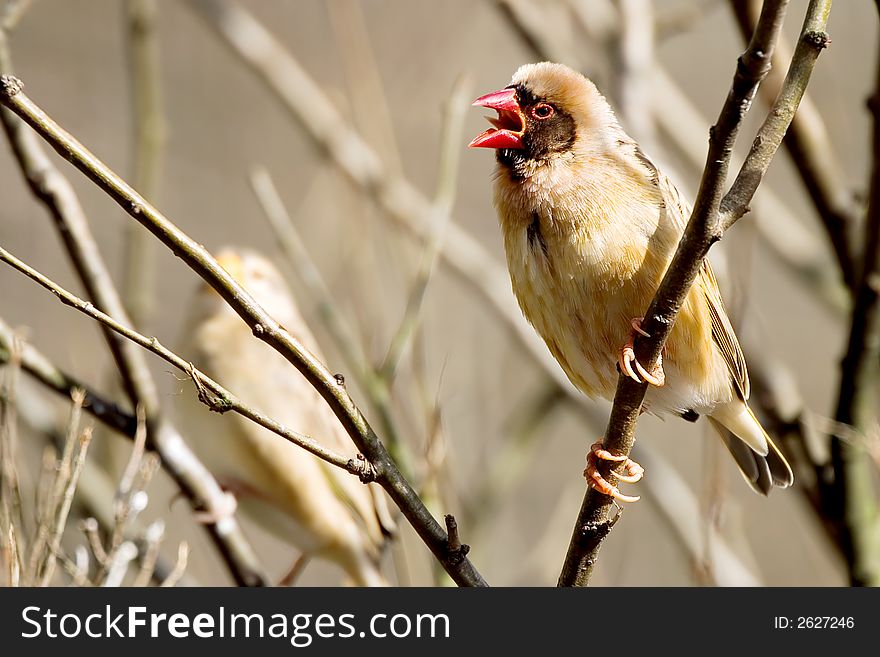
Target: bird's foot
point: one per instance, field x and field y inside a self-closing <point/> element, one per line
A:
<point x="632" y="472"/>
<point x="627" y="360"/>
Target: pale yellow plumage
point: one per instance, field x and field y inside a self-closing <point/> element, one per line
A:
<point x="321" y="509"/>
<point x="589" y="227"/>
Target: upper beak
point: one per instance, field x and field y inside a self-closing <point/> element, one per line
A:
<point x="509" y="126"/>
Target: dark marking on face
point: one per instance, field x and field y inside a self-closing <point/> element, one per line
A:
<point x="535" y="236"/>
<point x="542" y="138"/>
<point x="515" y="161"/>
<point x="690" y="415"/>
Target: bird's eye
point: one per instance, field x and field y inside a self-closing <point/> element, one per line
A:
<point x="542" y="111"/>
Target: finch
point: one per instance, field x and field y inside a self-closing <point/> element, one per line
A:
<point x="590" y="226"/>
<point x="319" y="508"/>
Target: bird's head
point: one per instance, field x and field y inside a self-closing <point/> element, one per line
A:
<point x="547" y="110"/>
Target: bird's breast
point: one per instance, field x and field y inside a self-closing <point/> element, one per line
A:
<point x="581" y="268"/>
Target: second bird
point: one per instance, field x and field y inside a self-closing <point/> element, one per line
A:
<point x="590" y="226"/>
<point x="321" y="509"/>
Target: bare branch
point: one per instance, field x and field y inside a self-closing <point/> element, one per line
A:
<point x="211" y="393"/>
<point x="812" y="152"/>
<point x="713" y="213"/>
<point x="56" y="193"/>
<point x="852" y="497"/>
<point x="146" y="87"/>
<point x="263" y="326"/>
<point x="41" y="368"/>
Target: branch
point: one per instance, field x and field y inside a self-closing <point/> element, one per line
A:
<point x="397" y="197"/>
<point x="262" y="324"/>
<point x="852" y="497"/>
<point x="56" y="193"/>
<point x="41" y="368"/>
<point x="139" y="279"/>
<point x="712" y="215"/>
<point x="212" y="394"/>
<point x="635" y="60"/>
<point x="401" y="202"/>
<point x="679" y="122"/>
<point x="812" y="153"/>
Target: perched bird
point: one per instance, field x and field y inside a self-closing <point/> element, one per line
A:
<point x="321" y="509"/>
<point x="590" y="226"/>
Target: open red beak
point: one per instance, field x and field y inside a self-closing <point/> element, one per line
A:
<point x="509" y="126"/>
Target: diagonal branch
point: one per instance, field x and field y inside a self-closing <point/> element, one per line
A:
<point x="713" y="213"/>
<point x="402" y="204"/>
<point x="852" y="496"/>
<point x="812" y="153"/>
<point x="143" y="51"/>
<point x="41" y="368"/>
<point x="212" y="394"/>
<point x="262" y="324"/>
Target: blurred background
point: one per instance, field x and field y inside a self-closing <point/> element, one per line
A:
<point x="488" y="432"/>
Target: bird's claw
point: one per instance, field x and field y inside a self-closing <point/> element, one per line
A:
<point x="627" y="359"/>
<point x="633" y="473"/>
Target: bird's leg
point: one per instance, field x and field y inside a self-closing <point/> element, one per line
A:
<point x="632" y="472"/>
<point x="627" y="359"/>
<point x="296" y="570"/>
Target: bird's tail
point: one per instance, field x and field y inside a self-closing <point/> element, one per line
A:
<point x="761" y="463"/>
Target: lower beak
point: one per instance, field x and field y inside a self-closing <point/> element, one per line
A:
<point x="510" y="125"/>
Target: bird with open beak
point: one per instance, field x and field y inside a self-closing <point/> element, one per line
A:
<point x="590" y="226"/>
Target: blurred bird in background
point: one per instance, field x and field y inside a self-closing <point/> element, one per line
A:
<point x="321" y="509"/>
<point x="590" y="226"/>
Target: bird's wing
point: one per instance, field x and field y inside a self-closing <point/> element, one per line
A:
<point x="307" y="412"/>
<point x="723" y="335"/>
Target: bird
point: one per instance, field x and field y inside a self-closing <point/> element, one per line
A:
<point x="589" y="226"/>
<point x="321" y="509"/>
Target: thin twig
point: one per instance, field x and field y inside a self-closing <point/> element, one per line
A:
<point x="139" y="279"/>
<point x="179" y="568"/>
<point x="56" y="193"/>
<point x="118" y="567"/>
<point x="802" y="252"/>
<point x="95" y="491"/>
<point x="60" y="519"/>
<point x="263" y="325"/>
<point x="12" y="539"/>
<point x="635" y="60"/>
<point x="215" y="396"/>
<point x="443" y="200"/>
<point x="366" y="375"/>
<point x="812" y="153"/>
<point x="401" y="201"/>
<point x="41" y="368"/>
<point x="152" y="538"/>
<point x="61" y="471"/>
<point x="852" y="496"/>
<point x="713" y="213"/>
